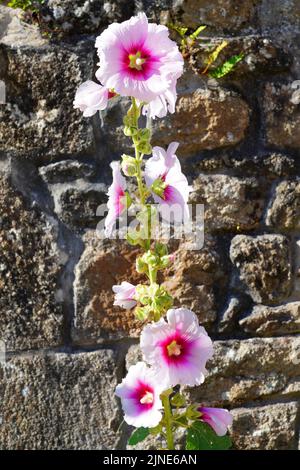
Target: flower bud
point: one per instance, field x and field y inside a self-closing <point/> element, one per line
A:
<point x="141" y="266"/>
<point x="161" y="249"/>
<point x="144" y="147"/>
<point x="128" y="165"/>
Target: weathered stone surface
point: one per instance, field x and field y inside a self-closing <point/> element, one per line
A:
<point x="284" y="210"/>
<point x="85" y="16"/>
<point x="230" y="203"/>
<point x="271" y="10"/>
<point x="192" y="279"/>
<point x="103" y="264"/>
<point x="230" y="314"/>
<point x="269" y="427"/>
<point x="264" y="266"/>
<point x="38" y="119"/>
<point x="77" y="206"/>
<point x="14" y="31"/>
<point x="66" y="171"/>
<point x="269" y="166"/>
<point x="230" y="15"/>
<point x="30" y="264"/>
<point x="59" y="401"/>
<point x="246" y="370"/>
<point x="282" y="115"/>
<point x="271" y="321"/>
<point x="213" y="119"/>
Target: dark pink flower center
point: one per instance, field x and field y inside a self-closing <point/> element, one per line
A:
<point x="120" y="206"/>
<point x="144" y="395"/>
<point x="175" y="348"/>
<point x="139" y="62"/>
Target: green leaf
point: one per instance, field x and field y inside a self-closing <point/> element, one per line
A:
<point x="227" y="67"/>
<point x="138" y="436"/>
<point x="181" y="30"/>
<point x="196" y="33"/>
<point x="201" y="436"/>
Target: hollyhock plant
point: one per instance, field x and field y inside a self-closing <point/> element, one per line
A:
<point x="218" y="418"/>
<point x="138" y="59"/>
<point x="177" y="349"/>
<point x="139" y="393"/>
<point x="117" y="198"/>
<point x="124" y="295"/>
<point x="91" y="97"/>
<point x="168" y="184"/>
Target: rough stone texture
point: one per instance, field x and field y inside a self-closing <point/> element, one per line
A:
<point x="85" y="16"/>
<point x="229" y="316"/>
<point x="103" y="264"/>
<point x="30" y="264"/>
<point x="59" y="401"/>
<point x="269" y="427"/>
<point x="65" y="171"/>
<point x="192" y="277"/>
<point x="252" y="369"/>
<point x="264" y="266"/>
<point x="282" y="114"/>
<point x="272" y="321"/>
<point x="284" y="210"/>
<point x="230" y="203"/>
<point x="214" y="119"/>
<point x="224" y="14"/>
<point x="44" y="124"/>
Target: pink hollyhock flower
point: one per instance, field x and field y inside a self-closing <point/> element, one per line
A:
<point x="178" y="349"/>
<point x="116" y="198"/>
<point x="91" y="97"/>
<point x="139" y="393"/>
<point x="162" y="104"/>
<point x="218" y="418"/>
<point x="124" y="295"/>
<point x="168" y="184"/>
<point x="138" y="59"/>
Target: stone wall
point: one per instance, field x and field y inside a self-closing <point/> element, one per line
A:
<point x="66" y="347"/>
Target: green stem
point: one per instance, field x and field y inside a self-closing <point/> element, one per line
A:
<point x="168" y="419"/>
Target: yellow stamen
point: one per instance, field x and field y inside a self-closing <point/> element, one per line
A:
<point x="174" y="349"/>
<point x="147" y="398"/>
<point x="136" y="61"/>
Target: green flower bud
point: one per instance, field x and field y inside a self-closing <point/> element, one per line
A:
<point x="128" y="165"/>
<point x="178" y="400"/>
<point x="130" y="131"/>
<point x="161" y="249"/>
<point x="142" y="313"/>
<point x="141" y="266"/>
<point x="144" y="147"/>
<point x="144" y="134"/>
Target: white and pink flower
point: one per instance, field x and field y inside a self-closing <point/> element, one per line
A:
<point x="91" y="97"/>
<point x="138" y="59"/>
<point x="169" y="186"/>
<point x="163" y="103"/>
<point x="116" y="198"/>
<point x="125" y="293"/>
<point x="139" y="393"/>
<point x="178" y="349"/>
<point x="218" y="418"/>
